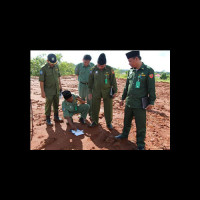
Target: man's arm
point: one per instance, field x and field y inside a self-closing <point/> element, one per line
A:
<point x="59" y="75"/>
<point x="80" y="100"/>
<point x="124" y="95"/>
<point x="90" y="84"/>
<point x="71" y="123"/>
<point x="60" y="84"/>
<point x="42" y="89"/>
<point x="42" y="79"/>
<point x="77" y="70"/>
<point x="67" y="116"/>
<point x="125" y="88"/>
<point x="113" y="81"/>
<point x="151" y="87"/>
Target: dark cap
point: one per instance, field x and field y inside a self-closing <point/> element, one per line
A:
<point x="132" y="54"/>
<point x="102" y="59"/>
<point x="52" y="58"/>
<point x="87" y="57"/>
<point x="66" y="94"/>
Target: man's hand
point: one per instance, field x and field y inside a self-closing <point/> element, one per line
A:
<point x="90" y="96"/>
<point x="71" y="123"/>
<point x="121" y="103"/>
<point x="149" y="107"/>
<point x="60" y="86"/>
<point x="43" y="94"/>
<point x="80" y="100"/>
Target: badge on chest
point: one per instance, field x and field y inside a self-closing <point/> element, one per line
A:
<point x="137" y="85"/>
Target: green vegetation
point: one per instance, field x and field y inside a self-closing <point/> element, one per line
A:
<point x="38" y="62"/>
<point x="68" y="68"/>
<point x="120" y="73"/>
<point x="164" y="77"/>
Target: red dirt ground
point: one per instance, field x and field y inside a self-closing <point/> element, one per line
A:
<point x="58" y="137"/>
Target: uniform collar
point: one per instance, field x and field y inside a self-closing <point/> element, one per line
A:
<point x="103" y="69"/>
<point x="87" y="66"/>
<point x="142" y="67"/>
<point x="50" y="66"/>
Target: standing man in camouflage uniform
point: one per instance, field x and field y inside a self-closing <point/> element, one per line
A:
<point x="50" y="85"/>
<point x="101" y="80"/>
<point x="83" y="72"/>
<point x="140" y="83"/>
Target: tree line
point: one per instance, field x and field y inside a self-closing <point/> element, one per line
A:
<point x="69" y="68"/>
<point x="38" y="62"/>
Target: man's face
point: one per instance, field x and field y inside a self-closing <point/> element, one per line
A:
<point x="86" y="62"/>
<point x="133" y="62"/>
<point x="51" y="65"/>
<point x="101" y="67"/>
<point x="70" y="99"/>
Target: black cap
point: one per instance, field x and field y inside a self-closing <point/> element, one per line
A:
<point x="66" y="94"/>
<point x="52" y="58"/>
<point x="102" y="59"/>
<point x="87" y="57"/>
<point x="132" y="54"/>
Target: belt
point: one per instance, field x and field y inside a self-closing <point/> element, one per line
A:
<point x="84" y="83"/>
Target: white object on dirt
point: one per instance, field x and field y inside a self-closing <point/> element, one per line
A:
<point x="78" y="132"/>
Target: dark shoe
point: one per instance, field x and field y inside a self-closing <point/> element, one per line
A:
<point x="93" y="125"/>
<point x="48" y="122"/>
<point x="140" y="148"/>
<point x="121" y="137"/>
<point x="110" y="126"/>
<point x="82" y="121"/>
<point x="57" y="119"/>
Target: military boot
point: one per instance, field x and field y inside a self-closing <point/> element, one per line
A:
<point x="110" y="126"/>
<point x="121" y="136"/>
<point x="57" y="118"/>
<point x="48" y="121"/>
<point x="140" y="148"/>
<point x="82" y="121"/>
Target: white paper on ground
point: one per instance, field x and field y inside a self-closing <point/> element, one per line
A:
<point x="78" y="132"/>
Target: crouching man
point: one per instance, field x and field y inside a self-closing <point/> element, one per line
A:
<point x="70" y="107"/>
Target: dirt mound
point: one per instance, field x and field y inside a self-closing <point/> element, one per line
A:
<point x="58" y="137"/>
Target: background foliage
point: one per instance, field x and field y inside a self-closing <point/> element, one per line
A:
<point x="68" y="68"/>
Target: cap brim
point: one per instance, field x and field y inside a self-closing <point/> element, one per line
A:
<point x="53" y="63"/>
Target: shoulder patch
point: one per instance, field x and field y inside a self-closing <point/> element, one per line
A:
<point x="41" y="72"/>
<point x="150" y="75"/>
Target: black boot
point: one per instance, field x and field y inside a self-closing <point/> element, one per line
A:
<point x="82" y="121"/>
<point x="140" y="148"/>
<point x="48" y="121"/>
<point x="110" y="126"/>
<point x="121" y="137"/>
<point x="57" y="119"/>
